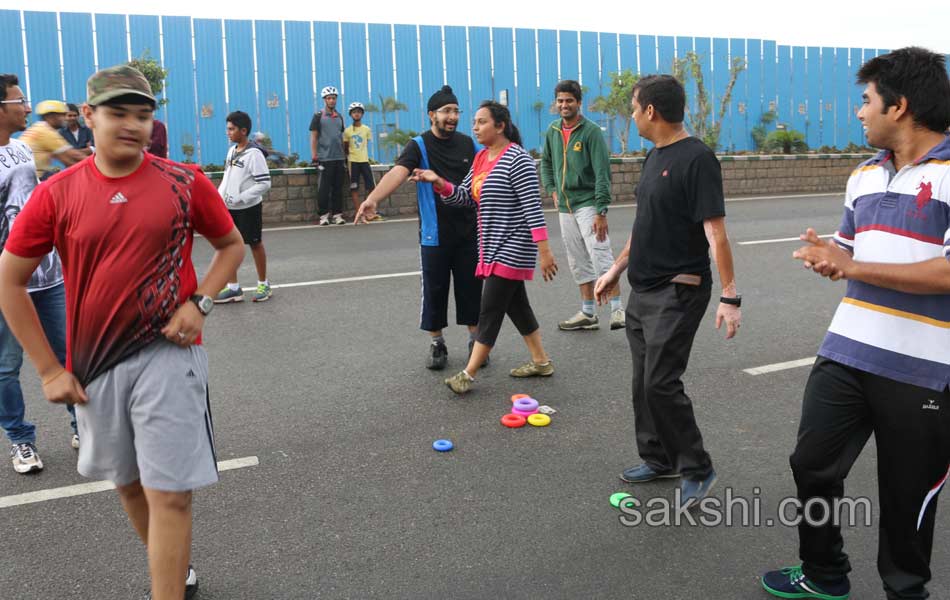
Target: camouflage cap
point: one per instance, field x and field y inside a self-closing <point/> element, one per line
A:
<point x="120" y="80"/>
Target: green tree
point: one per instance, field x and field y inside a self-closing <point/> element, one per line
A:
<point x="760" y="131"/>
<point x="616" y="104"/>
<point x="154" y="73"/>
<point x="698" y="120"/>
<point x="397" y="138"/>
<point x="384" y="108"/>
<point x="786" y="141"/>
<point x="539" y="107"/>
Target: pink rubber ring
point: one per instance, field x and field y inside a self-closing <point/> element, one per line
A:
<point x="526" y="404"/>
<point x="513" y="421"/>
<point x="523" y="413"/>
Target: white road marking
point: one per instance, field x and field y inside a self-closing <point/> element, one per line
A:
<point x="547" y="210"/>
<point x="782" y="366"/>
<point x="778" y="240"/>
<point x="100" y="486"/>
<point x="341" y="280"/>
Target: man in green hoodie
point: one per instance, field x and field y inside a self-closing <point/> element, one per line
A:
<point x="575" y="168"/>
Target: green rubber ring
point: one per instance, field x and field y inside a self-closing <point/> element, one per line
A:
<point x="616" y="499"/>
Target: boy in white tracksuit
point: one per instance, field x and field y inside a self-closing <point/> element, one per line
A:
<point x="246" y="180"/>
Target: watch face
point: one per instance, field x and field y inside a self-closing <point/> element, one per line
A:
<point x="206" y="304"/>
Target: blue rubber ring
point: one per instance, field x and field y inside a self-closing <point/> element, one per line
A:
<point x="442" y="445"/>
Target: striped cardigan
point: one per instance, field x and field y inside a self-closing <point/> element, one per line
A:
<point x="510" y="221"/>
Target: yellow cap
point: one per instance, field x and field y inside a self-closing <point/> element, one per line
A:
<point x="51" y="106"/>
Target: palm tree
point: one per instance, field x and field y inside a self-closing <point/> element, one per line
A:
<point x="388" y="105"/>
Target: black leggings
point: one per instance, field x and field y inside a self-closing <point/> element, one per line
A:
<point x="502" y="296"/>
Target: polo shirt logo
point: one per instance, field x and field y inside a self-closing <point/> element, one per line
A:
<point x="924" y="194"/>
<point x="118" y="199"/>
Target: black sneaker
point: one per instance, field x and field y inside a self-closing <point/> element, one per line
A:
<point x="438" y="356"/>
<point x="191" y="585"/>
<point x="471" y="346"/>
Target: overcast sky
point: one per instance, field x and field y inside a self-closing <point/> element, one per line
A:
<point x="867" y="24"/>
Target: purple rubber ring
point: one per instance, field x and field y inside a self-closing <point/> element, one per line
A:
<point x="526" y="404"/>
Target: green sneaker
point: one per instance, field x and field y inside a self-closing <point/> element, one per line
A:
<point x="228" y="295"/>
<point x="460" y="382"/>
<point x="533" y="369"/>
<point x="263" y="293"/>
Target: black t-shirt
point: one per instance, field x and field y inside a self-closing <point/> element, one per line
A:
<point x="451" y="159"/>
<point x="680" y="187"/>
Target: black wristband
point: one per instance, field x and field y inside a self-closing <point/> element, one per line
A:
<point x="737" y="301"/>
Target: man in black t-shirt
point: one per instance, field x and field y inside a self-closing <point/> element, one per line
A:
<point x="680" y="217"/>
<point x="448" y="235"/>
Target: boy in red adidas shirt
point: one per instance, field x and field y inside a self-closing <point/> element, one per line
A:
<point x="123" y="223"/>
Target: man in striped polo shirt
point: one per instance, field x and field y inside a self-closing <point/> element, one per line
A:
<point x="884" y="366"/>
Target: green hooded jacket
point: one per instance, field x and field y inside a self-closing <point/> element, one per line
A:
<point x="579" y="172"/>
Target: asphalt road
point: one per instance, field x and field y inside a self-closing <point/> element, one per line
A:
<point x="326" y="385"/>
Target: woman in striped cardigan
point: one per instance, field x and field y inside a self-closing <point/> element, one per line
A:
<point x="503" y="185"/>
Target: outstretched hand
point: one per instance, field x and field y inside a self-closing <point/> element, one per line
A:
<point x="823" y="257"/>
<point x="365" y="212"/>
<point x="424" y="175"/>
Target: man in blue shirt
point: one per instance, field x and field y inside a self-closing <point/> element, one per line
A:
<point x="77" y="134"/>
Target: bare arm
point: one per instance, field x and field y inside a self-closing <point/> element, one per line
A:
<point x="20" y="314"/>
<point x="722" y="255"/>
<point x="70" y="156"/>
<point x="185" y="325"/>
<point x="314" y="136"/>
<point x="604" y="288"/>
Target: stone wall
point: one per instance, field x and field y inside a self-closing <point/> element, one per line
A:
<point x="292" y="197"/>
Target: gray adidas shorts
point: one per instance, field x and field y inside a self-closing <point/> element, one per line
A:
<point x="149" y="418"/>
<point x="587" y="258"/>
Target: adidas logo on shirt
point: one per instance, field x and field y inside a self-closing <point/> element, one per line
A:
<point x="118" y="199"/>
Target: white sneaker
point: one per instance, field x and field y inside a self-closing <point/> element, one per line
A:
<point x="618" y="319"/>
<point x="75" y="441"/>
<point x="339" y="220"/>
<point x="25" y="459"/>
<point x="325" y="219"/>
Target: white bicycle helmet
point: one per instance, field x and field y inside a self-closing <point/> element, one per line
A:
<point x="355" y="105"/>
<point x="329" y="91"/>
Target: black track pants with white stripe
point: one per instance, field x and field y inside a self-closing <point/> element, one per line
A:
<point x="842" y="407"/>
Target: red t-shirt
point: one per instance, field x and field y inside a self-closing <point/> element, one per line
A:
<point x="126" y="245"/>
<point x="481" y="167"/>
<point x="566" y="133"/>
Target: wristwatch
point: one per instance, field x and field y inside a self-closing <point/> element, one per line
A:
<point x="204" y="303"/>
<point x="737" y="301"/>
